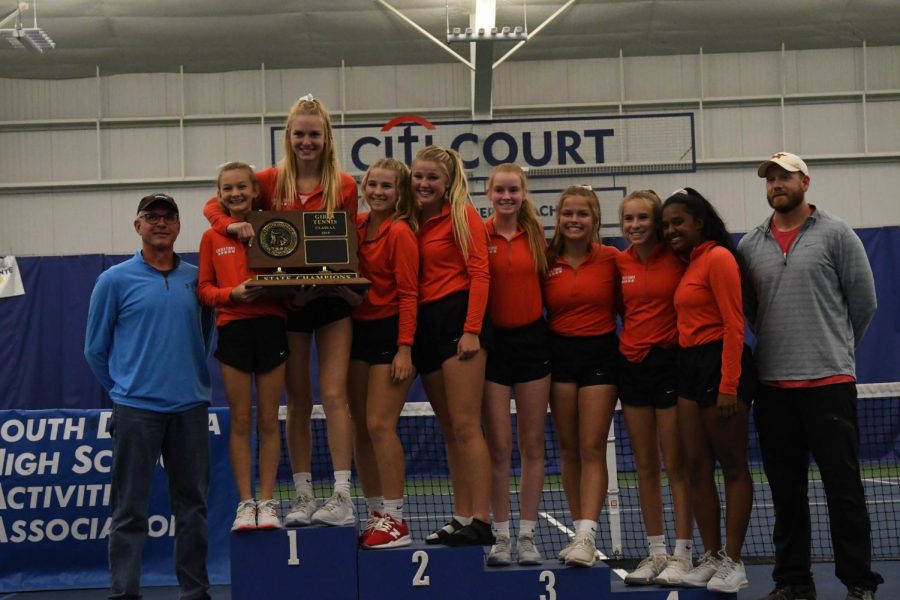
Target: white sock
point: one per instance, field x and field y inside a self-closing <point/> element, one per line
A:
<point x="375" y="504"/>
<point x="526" y="527"/>
<point x="501" y="528"/>
<point x="463" y="520"/>
<point x="394" y="508"/>
<point x="342" y="481"/>
<point x="303" y="484"/>
<point x="684" y="548"/>
<point x="587" y="526"/>
<point x="657" y="544"/>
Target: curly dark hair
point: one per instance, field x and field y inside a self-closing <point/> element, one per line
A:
<point x="700" y="208"/>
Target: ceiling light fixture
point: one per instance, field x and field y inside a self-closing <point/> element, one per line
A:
<point x="22" y="37"/>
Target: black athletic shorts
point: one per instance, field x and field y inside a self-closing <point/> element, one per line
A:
<point x="438" y="329"/>
<point x="700" y="372"/>
<point x="253" y="345"/>
<point x="587" y="361"/>
<point x="519" y="354"/>
<point x="652" y="382"/>
<point x="375" y="341"/>
<point x="317" y="313"/>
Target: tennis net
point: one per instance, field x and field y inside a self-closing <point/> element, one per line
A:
<point x="429" y="500"/>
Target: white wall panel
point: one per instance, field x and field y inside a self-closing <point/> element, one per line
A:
<point x="884" y="126"/>
<point x="662" y="77"/>
<point x="815" y="71"/>
<point x="141" y="95"/>
<point x="24" y="156"/>
<point x="428" y="86"/>
<point x="73" y="155"/>
<point x="235" y="92"/>
<point x="747" y="131"/>
<point x="28" y="225"/>
<point x="883" y="70"/>
<point x="742" y="74"/>
<point x="33" y="99"/>
<point x="837" y="190"/>
<point x="824" y="128"/>
<point x="285" y="86"/>
<point x="372" y="87"/>
<point x="145" y="153"/>
<point x="879" y="189"/>
<point x="208" y="146"/>
<point x="81" y="222"/>
<point x="532" y="82"/>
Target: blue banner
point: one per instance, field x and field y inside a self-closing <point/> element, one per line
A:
<point x="54" y="502"/>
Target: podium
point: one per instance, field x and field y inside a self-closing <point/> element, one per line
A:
<point x="312" y="562"/>
<point x="326" y="562"/>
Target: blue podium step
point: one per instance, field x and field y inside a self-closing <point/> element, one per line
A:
<point x="326" y="563"/>
<point x="309" y="562"/>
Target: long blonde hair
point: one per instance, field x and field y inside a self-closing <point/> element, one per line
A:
<point x="582" y="191"/>
<point x="526" y="217"/>
<point x="653" y="202"/>
<point x="451" y="163"/>
<point x="329" y="167"/>
<point x="405" y="209"/>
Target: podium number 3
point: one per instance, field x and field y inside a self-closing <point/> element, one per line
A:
<point x="293" y="557"/>
<point x="550" y="579"/>
<point x="420" y="578"/>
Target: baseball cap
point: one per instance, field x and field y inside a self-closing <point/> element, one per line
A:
<point x="785" y="160"/>
<point x="147" y="201"/>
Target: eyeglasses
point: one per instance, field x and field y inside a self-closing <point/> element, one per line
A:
<point x="153" y="218"/>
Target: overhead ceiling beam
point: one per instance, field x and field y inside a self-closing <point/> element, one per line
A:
<point x="536" y="31"/>
<point x="483" y="18"/>
<point x="418" y="28"/>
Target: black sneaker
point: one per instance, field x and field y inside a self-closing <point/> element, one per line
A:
<point x="439" y="536"/>
<point x="478" y="533"/>
<point x="792" y="592"/>
<point x="860" y="593"/>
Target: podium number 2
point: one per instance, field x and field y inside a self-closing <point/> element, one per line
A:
<point x="293" y="558"/>
<point x="420" y="578"/>
<point x="550" y="578"/>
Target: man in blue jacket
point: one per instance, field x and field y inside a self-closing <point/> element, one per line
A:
<point x="810" y="298"/>
<point x="146" y="344"/>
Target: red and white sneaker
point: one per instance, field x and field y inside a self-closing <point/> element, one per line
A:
<point x="371" y="524"/>
<point x="388" y="534"/>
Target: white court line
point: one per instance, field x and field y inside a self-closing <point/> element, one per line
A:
<point x="884" y="481"/>
<point x="561" y="526"/>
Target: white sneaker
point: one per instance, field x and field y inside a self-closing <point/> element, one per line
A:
<point x="337" y="511"/>
<point x="527" y="552"/>
<point x="565" y="551"/>
<point x="267" y="514"/>
<point x="675" y="570"/>
<point x="302" y="509"/>
<point x="647" y="570"/>
<point x="700" y="575"/>
<point x="245" y="517"/>
<point x="500" y="552"/>
<point x="584" y="552"/>
<point x="730" y="577"/>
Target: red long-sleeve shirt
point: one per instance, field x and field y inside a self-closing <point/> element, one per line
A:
<point x="315" y="201"/>
<point x="391" y="261"/>
<point x="223" y="266"/>
<point x="648" y="292"/>
<point x="582" y="302"/>
<point x="515" y="297"/>
<point x="442" y="270"/>
<point x="709" y="308"/>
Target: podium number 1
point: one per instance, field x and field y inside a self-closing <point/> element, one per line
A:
<point x="550" y="579"/>
<point x="293" y="558"/>
<point x="420" y="578"/>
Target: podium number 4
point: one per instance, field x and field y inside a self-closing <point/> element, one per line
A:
<point x="550" y="579"/>
<point x="293" y="557"/>
<point x="420" y="578"/>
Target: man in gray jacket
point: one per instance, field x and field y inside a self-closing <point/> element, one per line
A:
<point x="810" y="296"/>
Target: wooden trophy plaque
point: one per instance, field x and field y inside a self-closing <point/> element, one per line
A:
<point x="303" y="248"/>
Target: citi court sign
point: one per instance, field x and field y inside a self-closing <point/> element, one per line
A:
<point x="548" y="146"/>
